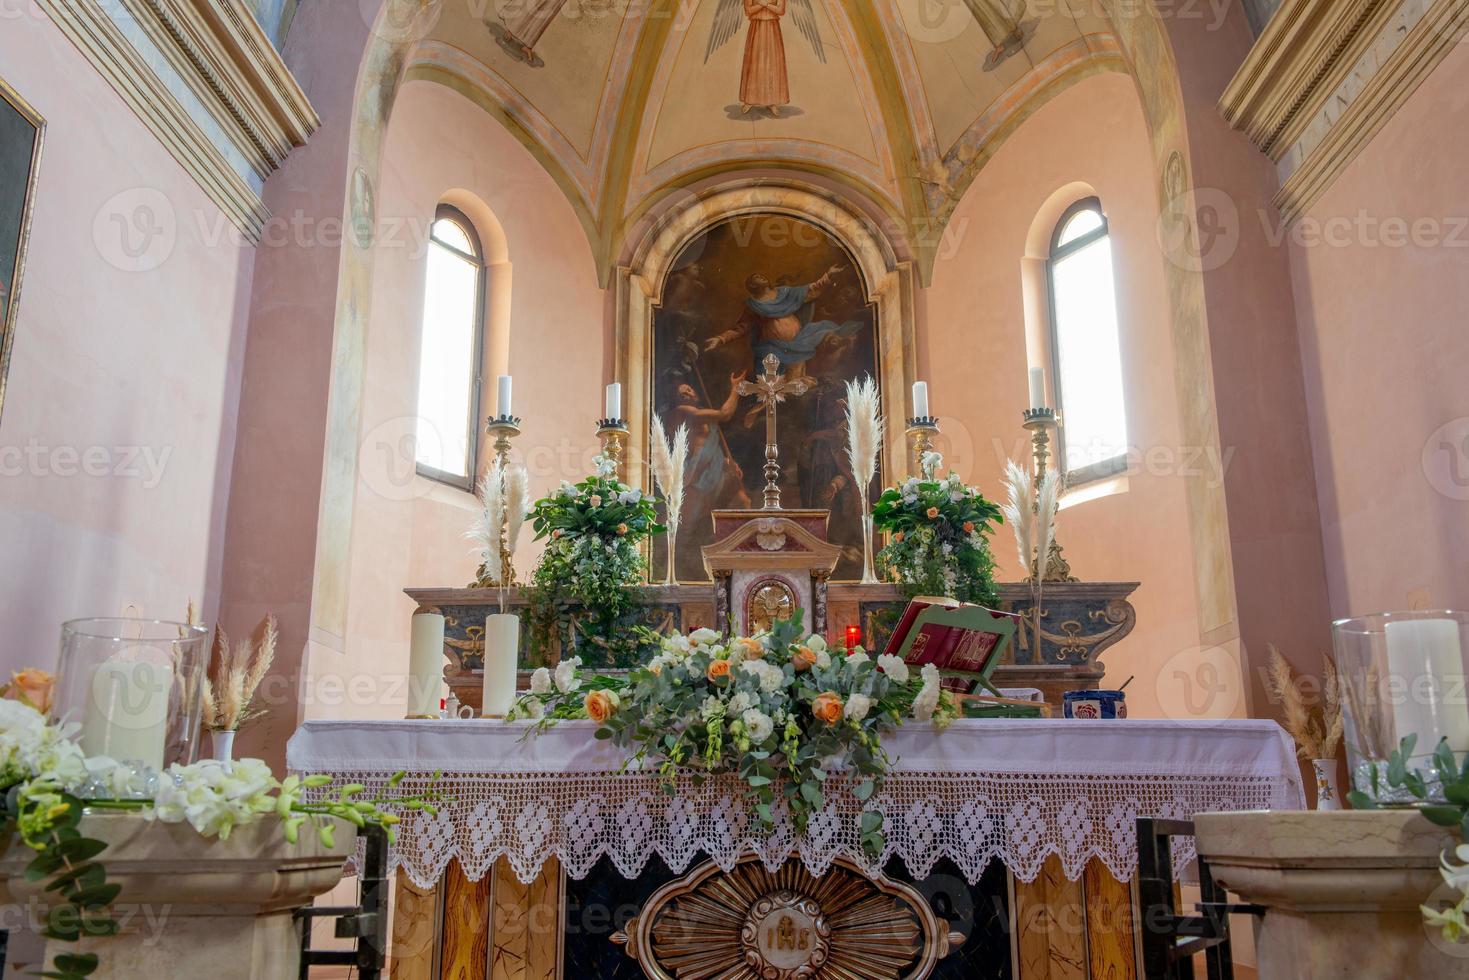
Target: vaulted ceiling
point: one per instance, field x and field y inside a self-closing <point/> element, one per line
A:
<point x="898" y="101"/>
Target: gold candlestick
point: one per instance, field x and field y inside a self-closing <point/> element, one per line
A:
<point x="503" y="428"/>
<point x="613" y="433"/>
<point x="921" y="431"/>
<point x="1039" y="422"/>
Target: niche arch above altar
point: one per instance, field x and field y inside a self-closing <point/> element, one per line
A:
<point x="644" y="288"/>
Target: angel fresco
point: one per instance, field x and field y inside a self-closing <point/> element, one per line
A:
<point x="765" y="80"/>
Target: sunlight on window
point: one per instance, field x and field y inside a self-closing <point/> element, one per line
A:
<point x="1088" y="353"/>
<point x="446" y="367"/>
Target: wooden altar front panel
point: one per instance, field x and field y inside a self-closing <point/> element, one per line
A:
<point x="499" y="929"/>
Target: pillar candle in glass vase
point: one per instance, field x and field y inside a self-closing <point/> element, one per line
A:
<point x="426" y="666"/>
<point x="502" y="656"/>
<point x="127" y="717"/>
<point x="1425" y="657"/>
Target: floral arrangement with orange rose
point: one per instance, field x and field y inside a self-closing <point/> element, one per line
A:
<point x="938" y="539"/>
<point x="783" y="711"/>
<point x="593" y="560"/>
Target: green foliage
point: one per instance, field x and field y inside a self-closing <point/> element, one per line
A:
<point x="1453" y="775"/>
<point x="939" y="539"/>
<point x="582" y="591"/>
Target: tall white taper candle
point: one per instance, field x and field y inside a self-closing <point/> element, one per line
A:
<point x="503" y="404"/>
<point x="1425" y="661"/>
<point x="614" y="401"/>
<point x="1037" y="388"/>
<point x="426" y="666"/>
<point x="920" y="400"/>
<point x="502" y="655"/>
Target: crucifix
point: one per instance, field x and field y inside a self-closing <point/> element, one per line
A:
<point x="770" y="389"/>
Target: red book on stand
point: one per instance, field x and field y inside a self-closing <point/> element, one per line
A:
<point x="964" y="641"/>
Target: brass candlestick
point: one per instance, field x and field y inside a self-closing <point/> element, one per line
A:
<point x="613" y="433"/>
<point x="503" y="428"/>
<point x="921" y="431"/>
<point x="1039" y="422"/>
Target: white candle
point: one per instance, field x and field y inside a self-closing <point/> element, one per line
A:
<point x="920" y="400"/>
<point x="127" y="717"/>
<point x="502" y="658"/>
<point x="1426" y="661"/>
<point x="1037" y="388"/>
<point x="503" y="410"/>
<point x="614" y="401"/>
<point x="426" y="666"/>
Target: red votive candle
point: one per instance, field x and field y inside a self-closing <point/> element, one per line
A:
<point x="854" y="638"/>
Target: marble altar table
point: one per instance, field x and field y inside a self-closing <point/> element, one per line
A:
<point x="1012" y="843"/>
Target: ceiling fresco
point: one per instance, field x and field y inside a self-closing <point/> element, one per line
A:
<point x="900" y="100"/>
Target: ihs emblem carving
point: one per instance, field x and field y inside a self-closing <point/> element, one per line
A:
<point x="751" y="924"/>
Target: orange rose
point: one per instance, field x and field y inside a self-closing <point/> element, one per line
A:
<point x="899" y="537"/>
<point x="749" y="648"/>
<point x="968" y="527"/>
<point x="804" y="659"/>
<point x="718" y="669"/>
<point x="33" y="687"/>
<point x="622" y="529"/>
<point x="933" y="513"/>
<point x="600" y="705"/>
<point x="827" y="707"/>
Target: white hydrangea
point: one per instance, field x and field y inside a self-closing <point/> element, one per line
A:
<point x="758" y="725"/>
<point x="816" y="643"/>
<point x="630" y="497"/>
<point x="823" y="660"/>
<point x="741" y="702"/>
<point x="565" y="677"/>
<point x="894" y="667"/>
<point x="213" y="797"/>
<point x="540" y="681"/>
<point x="858" y="707"/>
<point x="30" y="746"/>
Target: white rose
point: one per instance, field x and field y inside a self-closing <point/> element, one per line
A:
<point x="712" y="708"/>
<point x="758" y="725"/>
<point x="705" y="636"/>
<point x="816" y="643"/>
<point x="857" y="660"/>
<point x="566" y="679"/>
<point x="858" y="707"/>
<point x="741" y="702"/>
<point x="540" y="681"/>
<point x="771" y="679"/>
<point x="894" y="667"/>
<point x="823" y="660"/>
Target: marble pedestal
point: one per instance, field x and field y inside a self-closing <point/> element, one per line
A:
<point x="1341" y="890"/>
<point x="192" y="907"/>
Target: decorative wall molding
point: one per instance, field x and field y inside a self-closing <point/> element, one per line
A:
<point x="229" y="66"/>
<point x="225" y="56"/>
<point x="1324" y="77"/>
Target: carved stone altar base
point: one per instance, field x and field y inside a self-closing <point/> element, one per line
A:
<point x="1341" y="890"/>
<point x="192" y="907"/>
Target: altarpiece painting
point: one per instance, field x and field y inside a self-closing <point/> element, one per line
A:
<point x="747" y="288"/>
<point x="20" y="150"/>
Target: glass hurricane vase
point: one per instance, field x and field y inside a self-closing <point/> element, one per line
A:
<point x="1401" y="674"/>
<point x="134" y="689"/>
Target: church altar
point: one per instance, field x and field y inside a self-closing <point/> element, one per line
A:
<point x="987" y="823"/>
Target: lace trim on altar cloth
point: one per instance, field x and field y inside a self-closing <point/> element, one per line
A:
<point x="970" y="819"/>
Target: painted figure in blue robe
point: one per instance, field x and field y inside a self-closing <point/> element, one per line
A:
<point x="778" y="320"/>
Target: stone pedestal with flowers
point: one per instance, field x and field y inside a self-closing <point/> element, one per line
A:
<point x="193" y="906"/>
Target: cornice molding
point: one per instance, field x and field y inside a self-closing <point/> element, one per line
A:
<point x="1325" y="77"/>
<point x="228" y="61"/>
<point x="232" y="69"/>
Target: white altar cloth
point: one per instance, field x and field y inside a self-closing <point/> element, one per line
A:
<point x="1016" y="791"/>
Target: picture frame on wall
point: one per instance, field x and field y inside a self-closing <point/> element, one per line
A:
<point x="21" y="133"/>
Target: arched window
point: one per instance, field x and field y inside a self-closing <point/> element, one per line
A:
<point x="450" y="351"/>
<point x="1086" y="347"/>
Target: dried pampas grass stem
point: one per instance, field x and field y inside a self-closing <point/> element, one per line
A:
<point x="864" y="438"/>
<point x="234" y="677"/>
<point x="1317" y="730"/>
<point x="669" y="461"/>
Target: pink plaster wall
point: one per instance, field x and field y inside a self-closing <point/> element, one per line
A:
<point x="972" y="349"/>
<point x="108" y="362"/>
<point x="1381" y="308"/>
<point x="408" y="530"/>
